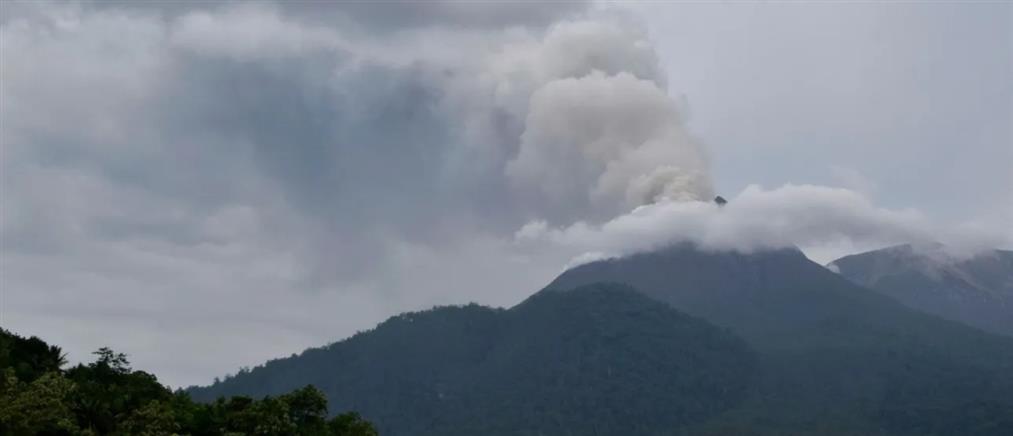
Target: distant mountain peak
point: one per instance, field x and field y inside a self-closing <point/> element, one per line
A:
<point x="975" y="289"/>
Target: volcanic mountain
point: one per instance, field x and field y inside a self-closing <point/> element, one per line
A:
<point x="604" y="360"/>
<point x="675" y="341"/>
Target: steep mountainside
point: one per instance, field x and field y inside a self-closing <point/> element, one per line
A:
<point x="819" y="356"/>
<point x="977" y="291"/>
<point x="832" y="351"/>
<point x="602" y="361"/>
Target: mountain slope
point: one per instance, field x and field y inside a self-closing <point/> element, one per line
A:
<point x="776" y="299"/>
<point x="831" y="351"/>
<point x="977" y="291"/>
<point x="819" y="355"/>
<point x="601" y="361"/>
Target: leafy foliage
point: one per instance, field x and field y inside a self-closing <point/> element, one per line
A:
<point x="107" y="397"/>
<point x="29" y="358"/>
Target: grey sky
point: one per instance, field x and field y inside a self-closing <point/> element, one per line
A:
<point x="206" y="187"/>
<point x="916" y="97"/>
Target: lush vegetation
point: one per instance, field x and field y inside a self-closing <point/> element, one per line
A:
<point x="107" y="397"/>
<point x="604" y="361"/>
<point x="796" y="350"/>
<point x="817" y="356"/>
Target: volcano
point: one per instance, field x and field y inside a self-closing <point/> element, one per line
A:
<point x="679" y="341"/>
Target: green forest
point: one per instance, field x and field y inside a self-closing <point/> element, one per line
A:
<point x="604" y="359"/>
<point x="38" y="396"/>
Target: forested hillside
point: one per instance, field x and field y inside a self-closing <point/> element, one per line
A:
<point x="107" y="397"/>
<point x="818" y="356"/>
<point x="602" y="361"/>
<point x="835" y="356"/>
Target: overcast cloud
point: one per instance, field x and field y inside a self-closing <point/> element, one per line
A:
<point x="756" y="219"/>
<point x="206" y="186"/>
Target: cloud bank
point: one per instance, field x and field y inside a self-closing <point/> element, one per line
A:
<point x="231" y="182"/>
<point x="806" y="216"/>
<point x="223" y="166"/>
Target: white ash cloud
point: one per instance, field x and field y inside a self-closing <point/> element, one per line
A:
<point x="601" y="134"/>
<point x="598" y="145"/>
<point x="807" y="216"/>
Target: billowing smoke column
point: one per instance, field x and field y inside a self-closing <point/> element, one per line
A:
<point x="601" y="134"/>
<point x="607" y="164"/>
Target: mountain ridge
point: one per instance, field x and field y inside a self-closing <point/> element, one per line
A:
<point x="553" y="364"/>
<point x="824" y="356"/>
<point x="976" y="290"/>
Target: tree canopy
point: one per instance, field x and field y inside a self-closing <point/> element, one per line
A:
<point x="107" y="397"/>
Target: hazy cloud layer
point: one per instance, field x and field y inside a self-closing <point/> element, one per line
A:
<point x="807" y="216"/>
<point x="205" y="186"/>
<point x="171" y="170"/>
